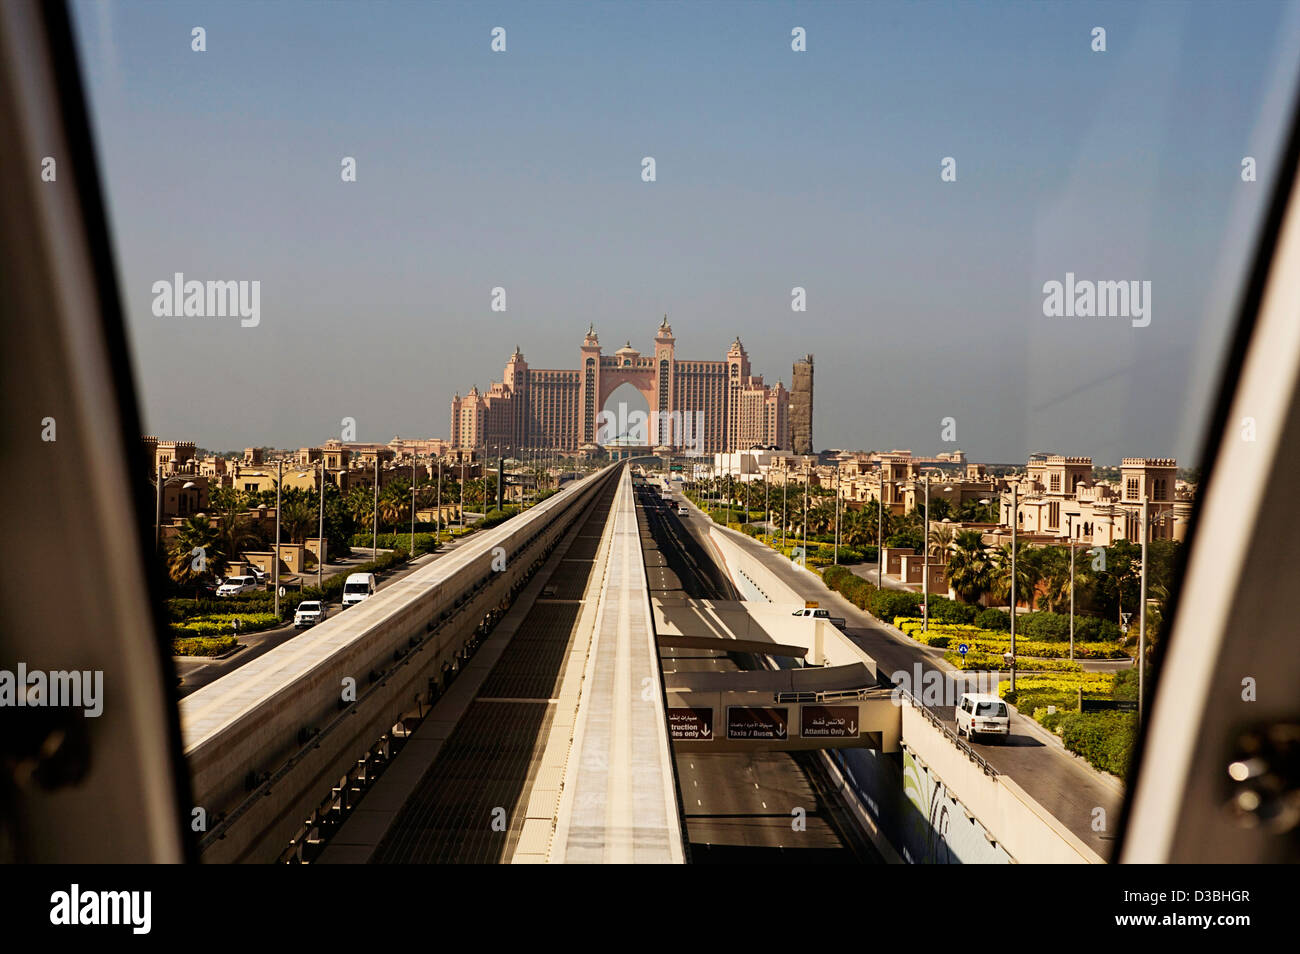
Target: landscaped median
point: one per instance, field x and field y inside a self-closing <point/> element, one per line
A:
<point x="946" y="635"/>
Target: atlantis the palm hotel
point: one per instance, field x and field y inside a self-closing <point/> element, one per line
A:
<point x="692" y="407"/>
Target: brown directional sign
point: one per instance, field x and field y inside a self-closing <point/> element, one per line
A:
<point x="694" y="725"/>
<point x="828" y="722"/>
<point x="758" y="722"/>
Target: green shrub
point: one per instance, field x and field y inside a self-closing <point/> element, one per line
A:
<point x="886" y="604"/>
<point x="203" y="646"/>
<point x="977" y="659"/>
<point x="944" y="610"/>
<point x="221" y="624"/>
<point x="1105" y="739"/>
<point x="994" y="620"/>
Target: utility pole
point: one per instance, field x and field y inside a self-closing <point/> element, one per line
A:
<point x="1142" y="605"/>
<point x="320" y="557"/>
<point x="805" y="511"/>
<point x="157" y="512"/>
<point x="1015" y="511"/>
<point x="1071" y="594"/>
<point x="374" y="538"/>
<point x="413" y="479"/>
<point x="438" y="519"/>
<point x="837" y="512"/>
<point x="925" y="564"/>
<point x="275" y="558"/>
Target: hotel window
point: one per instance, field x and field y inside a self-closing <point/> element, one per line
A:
<point x="1056" y="483"/>
<point x="1131" y="489"/>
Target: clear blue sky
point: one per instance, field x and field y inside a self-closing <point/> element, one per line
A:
<point x="775" y="169"/>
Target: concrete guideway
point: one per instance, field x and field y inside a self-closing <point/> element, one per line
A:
<point x="619" y="801"/>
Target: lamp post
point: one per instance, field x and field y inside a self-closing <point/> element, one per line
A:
<point x="320" y="543"/>
<point x="925" y="550"/>
<point x="767" y="508"/>
<point x="413" y="479"/>
<point x="785" y="493"/>
<point x="437" y="520"/>
<point x="1145" y="518"/>
<point x="374" y="532"/>
<point x="804" y="545"/>
<point x="836" y="559"/>
<point x="1015" y="518"/>
<point x="275" y="558"/>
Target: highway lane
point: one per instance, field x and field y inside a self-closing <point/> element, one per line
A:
<point x="196" y="672"/>
<point x="740" y="806"/>
<point x="1061" y="782"/>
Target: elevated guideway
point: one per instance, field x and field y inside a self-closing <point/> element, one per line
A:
<point x="275" y="747"/>
<point x="619" y="799"/>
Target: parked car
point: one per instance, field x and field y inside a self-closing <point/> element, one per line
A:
<point x="982" y="714"/>
<point x="309" y="613"/>
<point x="237" y="586"/>
<point x="358" y="587"/>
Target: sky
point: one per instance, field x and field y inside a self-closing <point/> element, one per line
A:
<point x="775" y="169"/>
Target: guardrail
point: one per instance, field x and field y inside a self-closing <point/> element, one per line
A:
<point x="952" y="736"/>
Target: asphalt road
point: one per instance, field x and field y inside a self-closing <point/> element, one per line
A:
<point x="740" y="806"/>
<point x="1061" y="782"/>
<point x="197" y="672"/>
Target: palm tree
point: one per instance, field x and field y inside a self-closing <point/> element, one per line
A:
<point x="361" y="505"/>
<point x="233" y="533"/>
<point x="298" y="519"/>
<point x="941" y="535"/>
<point x="196" y="534"/>
<point x="1026" y="574"/>
<point x="970" y="566"/>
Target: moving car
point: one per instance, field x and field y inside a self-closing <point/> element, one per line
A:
<point x="682" y="511"/>
<point x="359" y="586"/>
<point x="309" y="613"/>
<point x="237" y="586"/>
<point x="980" y="713"/>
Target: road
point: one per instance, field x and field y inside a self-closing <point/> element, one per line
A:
<point x="740" y="806"/>
<point x="197" y="672"/>
<point x="1061" y="782"/>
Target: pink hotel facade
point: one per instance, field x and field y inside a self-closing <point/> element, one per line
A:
<point x="727" y="407"/>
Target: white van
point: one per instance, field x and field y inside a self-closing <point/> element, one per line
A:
<point x="359" y="586"/>
<point x="980" y="713"/>
<point x="237" y="586"/>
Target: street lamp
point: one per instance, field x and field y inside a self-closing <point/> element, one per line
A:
<point x="925" y="550"/>
<point x="836" y="560"/>
<point x="1145" y="516"/>
<point x="320" y="542"/>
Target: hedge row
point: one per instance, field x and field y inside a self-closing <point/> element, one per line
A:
<point x="203" y="646"/>
<point x="424" y="542"/>
<point x="1105" y="739"/>
<point x="218" y="624"/>
<point x="995" y="661"/>
<point x="944" y="635"/>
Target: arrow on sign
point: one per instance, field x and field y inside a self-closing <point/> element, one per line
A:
<point x="705" y="731"/>
<point x="780" y="732"/>
<point x="853" y="728"/>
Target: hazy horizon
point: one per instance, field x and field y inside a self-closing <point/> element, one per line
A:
<point x="775" y="169"/>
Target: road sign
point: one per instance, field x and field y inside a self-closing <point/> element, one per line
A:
<point x="963" y="649"/>
<point x="757" y="722"/>
<point x="828" y="722"/>
<point x="693" y="725"/>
